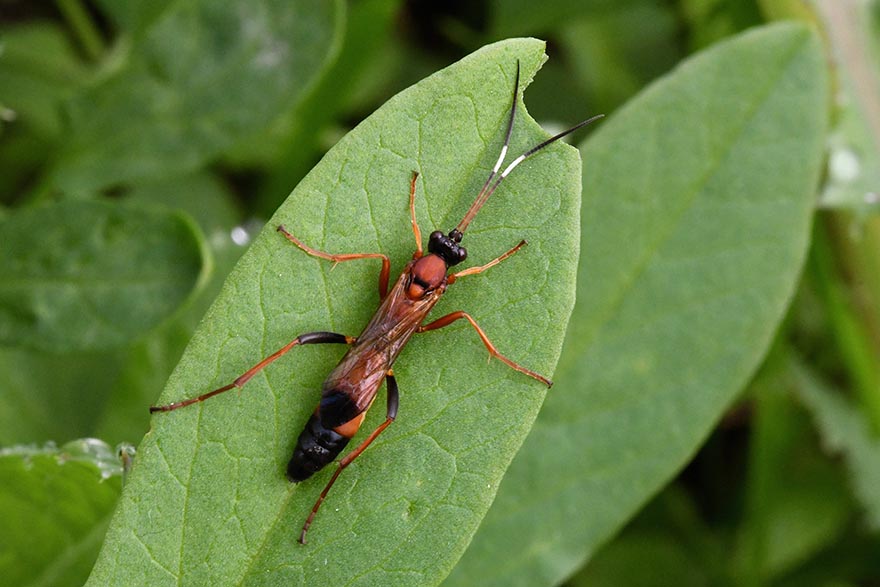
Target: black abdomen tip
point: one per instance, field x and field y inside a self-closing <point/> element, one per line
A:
<point x="297" y="471"/>
<point x="315" y="449"/>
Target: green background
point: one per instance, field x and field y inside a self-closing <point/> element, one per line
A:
<point x="716" y="404"/>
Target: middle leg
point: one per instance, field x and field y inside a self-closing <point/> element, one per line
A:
<point x="450" y="318"/>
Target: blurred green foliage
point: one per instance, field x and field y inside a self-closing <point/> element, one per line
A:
<point x="143" y="144"/>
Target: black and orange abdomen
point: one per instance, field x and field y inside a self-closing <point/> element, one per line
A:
<point x="316" y="447"/>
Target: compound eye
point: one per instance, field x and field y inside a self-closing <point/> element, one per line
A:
<point x="435" y="242"/>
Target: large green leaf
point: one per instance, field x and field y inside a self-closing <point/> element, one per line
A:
<point x="204" y="76"/>
<point x="208" y="503"/>
<point x="697" y="205"/>
<point x="56" y="504"/>
<point x="84" y="275"/>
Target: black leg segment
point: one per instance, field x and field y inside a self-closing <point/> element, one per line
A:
<point x="307" y="338"/>
<point x="393" y="396"/>
<point x="323" y="337"/>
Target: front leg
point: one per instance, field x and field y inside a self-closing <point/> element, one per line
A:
<point x="383" y="274"/>
<point x="477" y="270"/>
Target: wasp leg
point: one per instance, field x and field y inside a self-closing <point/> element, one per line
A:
<point x="475" y="270"/>
<point x="412" y="213"/>
<point x="383" y="274"/>
<point x="390" y="414"/>
<point x="307" y="338"/>
<point x="450" y="318"/>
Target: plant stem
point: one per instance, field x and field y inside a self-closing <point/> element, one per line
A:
<point x="85" y="31"/>
<point x="849" y="328"/>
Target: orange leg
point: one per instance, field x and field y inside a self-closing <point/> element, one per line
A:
<point x="450" y="318"/>
<point x="308" y="338"/>
<point x="412" y="212"/>
<point x="474" y="270"/>
<point x="383" y="274"/>
<point x="391" y="413"/>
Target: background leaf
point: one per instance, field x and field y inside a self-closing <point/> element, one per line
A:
<point x="103" y="393"/>
<point x="104" y="274"/>
<point x="854" y="160"/>
<point x="39" y="69"/>
<point x="690" y="253"/>
<point x="204" y="76"/>
<point x="846" y="432"/>
<point x="56" y="504"/>
<point x="210" y="478"/>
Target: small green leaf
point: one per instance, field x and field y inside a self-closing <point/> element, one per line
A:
<point x="697" y="203"/>
<point x="846" y="432"/>
<point x="795" y="502"/>
<point x="146" y="365"/>
<point x="38" y="69"/>
<point x="202" y="78"/>
<point x="56" y="504"/>
<point x="208" y="503"/>
<point x="37" y="386"/>
<point x="80" y="275"/>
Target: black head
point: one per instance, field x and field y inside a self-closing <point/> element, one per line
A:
<point x="447" y="247"/>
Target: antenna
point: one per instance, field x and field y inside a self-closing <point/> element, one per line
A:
<point x="489" y="187"/>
